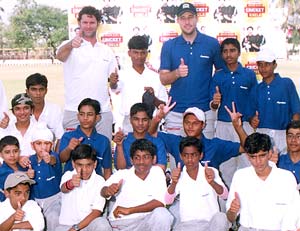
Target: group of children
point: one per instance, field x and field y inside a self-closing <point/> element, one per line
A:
<point x="76" y="188"/>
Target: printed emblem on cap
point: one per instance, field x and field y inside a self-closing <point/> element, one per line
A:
<point x="186" y="6"/>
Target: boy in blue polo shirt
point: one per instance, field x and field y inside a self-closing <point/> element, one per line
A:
<point x="10" y="153"/>
<point x="276" y="101"/>
<point x="234" y="83"/>
<point x="291" y="160"/>
<point x="140" y="118"/>
<point x="47" y="175"/>
<point x="85" y="133"/>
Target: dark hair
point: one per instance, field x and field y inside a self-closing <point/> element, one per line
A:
<point x="138" y="42"/>
<point x="142" y="145"/>
<point x="293" y="124"/>
<point x="84" y="151"/>
<point x="11" y="188"/>
<point x="140" y="107"/>
<point x="90" y="102"/>
<point x="89" y="10"/>
<point x="257" y="142"/>
<point x="250" y="27"/>
<point x="232" y="41"/>
<point x="190" y="141"/>
<point x="36" y="79"/>
<point x="8" y="140"/>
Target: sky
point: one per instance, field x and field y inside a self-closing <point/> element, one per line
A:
<point x="8" y="5"/>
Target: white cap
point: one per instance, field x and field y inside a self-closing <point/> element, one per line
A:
<point x="41" y="132"/>
<point x="197" y="112"/>
<point x="265" y="55"/>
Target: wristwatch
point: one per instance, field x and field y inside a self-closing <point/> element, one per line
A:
<point x="75" y="227"/>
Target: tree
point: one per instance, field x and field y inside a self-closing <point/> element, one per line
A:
<point x="35" y="25"/>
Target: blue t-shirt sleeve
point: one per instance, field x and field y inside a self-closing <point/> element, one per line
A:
<point x="165" y="56"/>
<point x="107" y="159"/>
<point x="171" y="142"/>
<point x="64" y="142"/>
<point x="161" y="152"/>
<point x="294" y="98"/>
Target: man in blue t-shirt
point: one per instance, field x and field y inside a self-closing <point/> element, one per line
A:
<point x="186" y="64"/>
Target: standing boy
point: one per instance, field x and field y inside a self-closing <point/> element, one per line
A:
<point x="139" y="192"/>
<point x="47" y="175"/>
<point x="82" y="204"/>
<point x="234" y="83"/>
<point x="199" y="188"/>
<point x="85" y="133"/>
<point x="44" y="111"/>
<point x="17" y="212"/>
<point x="265" y="196"/>
<point x="274" y="96"/>
<point x="140" y="118"/>
<point x="135" y="80"/>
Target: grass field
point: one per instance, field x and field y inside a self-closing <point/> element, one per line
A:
<point x="13" y="77"/>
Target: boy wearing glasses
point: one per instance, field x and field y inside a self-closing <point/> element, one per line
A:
<point x="291" y="161"/>
<point x="263" y="195"/>
<point x="139" y="191"/>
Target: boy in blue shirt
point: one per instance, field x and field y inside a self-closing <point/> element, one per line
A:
<point x="275" y="101"/>
<point x="140" y="118"/>
<point x="85" y="133"/>
<point x="47" y="175"/>
<point x="10" y="153"/>
<point x="291" y="160"/>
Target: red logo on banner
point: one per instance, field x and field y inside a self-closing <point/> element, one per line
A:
<point x="112" y="39"/>
<point x="75" y="10"/>
<point x="252" y="66"/>
<point x="254" y="10"/>
<point x="202" y="9"/>
<point x="167" y="35"/>
<point x="142" y="10"/>
<point x="226" y="34"/>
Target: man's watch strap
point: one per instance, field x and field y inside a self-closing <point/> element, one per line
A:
<point x="76" y="227"/>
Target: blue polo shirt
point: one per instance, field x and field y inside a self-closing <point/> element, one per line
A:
<point x="99" y="142"/>
<point x="276" y="103"/>
<point x="285" y="162"/>
<point x="161" y="155"/>
<point x="235" y="87"/>
<point x="215" y="150"/>
<point x="5" y="170"/>
<point x="46" y="176"/>
<point x="200" y="56"/>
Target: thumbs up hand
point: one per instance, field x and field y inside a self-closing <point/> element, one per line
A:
<point x="74" y="143"/>
<point x="235" y="204"/>
<point x="182" y="70"/>
<point x="19" y="214"/>
<point x="76" y="178"/>
<point x="30" y="172"/>
<point x="209" y="173"/>
<point x="5" y="121"/>
<point x="119" y="137"/>
<point x="113" y="79"/>
<point x="114" y="188"/>
<point x="217" y="97"/>
<point x="77" y="40"/>
<point x="176" y="172"/>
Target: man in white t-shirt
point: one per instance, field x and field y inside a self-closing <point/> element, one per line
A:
<point x="87" y="65"/>
<point x="265" y="197"/>
<point x="139" y="192"/>
<point x="135" y="80"/>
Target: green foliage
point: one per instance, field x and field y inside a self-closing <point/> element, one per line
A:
<point x="35" y="25"/>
